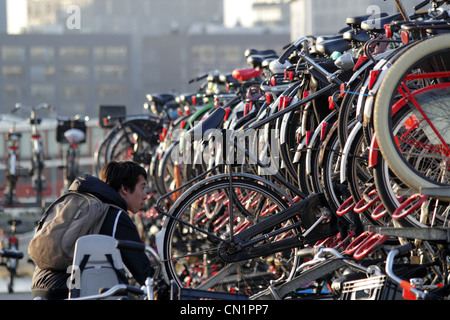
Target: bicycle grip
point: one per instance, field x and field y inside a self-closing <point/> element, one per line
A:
<point x="131" y="245"/>
<point x="11" y="254"/>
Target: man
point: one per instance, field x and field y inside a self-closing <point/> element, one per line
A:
<point x="124" y="185"/>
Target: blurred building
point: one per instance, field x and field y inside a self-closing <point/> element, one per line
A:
<point x="148" y="46"/>
<point x="322" y="17"/>
<point x="73" y="73"/>
<point x="77" y="55"/>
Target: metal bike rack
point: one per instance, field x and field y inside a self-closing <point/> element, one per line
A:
<point x="428" y="234"/>
<point x="276" y="292"/>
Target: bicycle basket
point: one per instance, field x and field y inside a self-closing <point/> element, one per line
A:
<point x="373" y="288"/>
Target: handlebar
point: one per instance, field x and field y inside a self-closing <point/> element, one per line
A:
<point x="18" y="106"/>
<point x="139" y="246"/>
<point x="402" y="283"/>
<point x="320" y="253"/>
<point x="11" y="254"/>
<point x="293" y="47"/>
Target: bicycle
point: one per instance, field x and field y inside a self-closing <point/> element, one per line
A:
<point x="415" y="288"/>
<point x="11" y="256"/>
<point x="428" y="125"/>
<point x="252" y="223"/>
<point x="208" y="203"/>
<point x="71" y="133"/>
<point x="12" y="172"/>
<point x="37" y="161"/>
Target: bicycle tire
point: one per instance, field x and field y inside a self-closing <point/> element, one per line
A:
<point x="435" y="47"/>
<point x="136" y="140"/>
<point x="392" y="191"/>
<point x="181" y="241"/>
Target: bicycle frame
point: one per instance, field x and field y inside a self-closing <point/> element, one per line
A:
<point x="37" y="161"/>
<point x="245" y="237"/>
<point x="11" y="175"/>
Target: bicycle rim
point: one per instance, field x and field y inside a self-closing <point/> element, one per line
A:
<point x="419" y="80"/>
<point x="393" y="191"/>
<point x="193" y="257"/>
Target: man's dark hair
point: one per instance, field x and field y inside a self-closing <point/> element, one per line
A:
<point x="122" y="173"/>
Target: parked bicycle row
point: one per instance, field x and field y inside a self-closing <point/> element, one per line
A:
<point x="304" y="175"/>
<point x="70" y="133"/>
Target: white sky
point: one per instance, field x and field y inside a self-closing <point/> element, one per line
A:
<point x="17" y="15"/>
<point x="237" y="10"/>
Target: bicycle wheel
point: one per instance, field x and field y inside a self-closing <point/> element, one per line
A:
<point x="347" y="110"/>
<point x="392" y="191"/>
<point x="335" y="192"/>
<point x="419" y="80"/>
<point x="194" y="257"/>
<point x="136" y="140"/>
<point x="361" y="182"/>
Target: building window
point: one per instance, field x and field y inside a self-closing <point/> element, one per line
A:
<point x="74" y="53"/>
<point x="39" y="73"/>
<point x="75" y="72"/>
<point x="14" y="92"/>
<point x="11" y="73"/>
<point x="13" y="53"/>
<point x="111" y="53"/>
<point x="43" y="54"/>
<point x="231" y="54"/>
<point x="74" y="92"/>
<point x="111" y="91"/>
<point x="110" y="73"/>
<point x="203" y="53"/>
<point x="43" y="91"/>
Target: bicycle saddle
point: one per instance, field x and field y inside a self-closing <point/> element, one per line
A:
<point x="256" y="61"/>
<point x="355" y="22"/>
<point x="245" y="74"/>
<point x="328" y="38"/>
<point x="160" y="98"/>
<point x="74" y="135"/>
<point x="250" y="52"/>
<point x="361" y="37"/>
<point x="377" y="25"/>
<point x="331" y="46"/>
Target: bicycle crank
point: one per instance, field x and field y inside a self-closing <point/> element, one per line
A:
<point x="261" y="239"/>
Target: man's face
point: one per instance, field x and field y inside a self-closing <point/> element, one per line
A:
<point x="135" y="200"/>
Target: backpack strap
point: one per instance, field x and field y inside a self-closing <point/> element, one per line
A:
<point x="116" y="221"/>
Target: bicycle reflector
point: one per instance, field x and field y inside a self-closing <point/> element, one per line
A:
<point x="284" y="102"/>
<point x="388" y="31"/>
<point x="373" y="75"/>
<point x="268" y="96"/>
<point x="405" y="36"/>
<point x="13" y="240"/>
